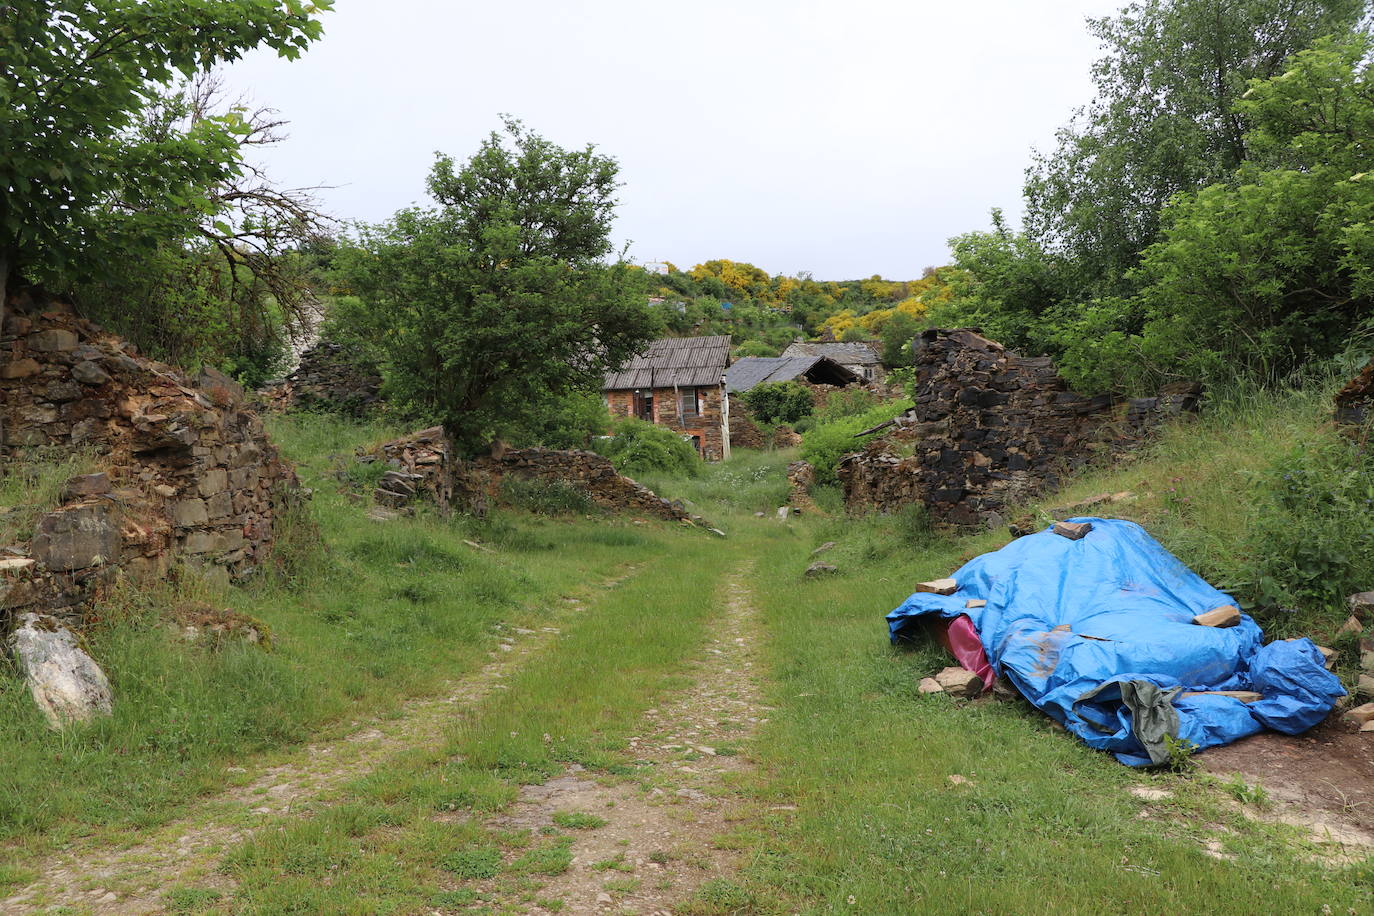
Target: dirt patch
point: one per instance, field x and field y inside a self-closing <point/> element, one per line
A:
<point x="132" y="879"/>
<point x="661" y="836"/>
<point x="1322" y="781"/>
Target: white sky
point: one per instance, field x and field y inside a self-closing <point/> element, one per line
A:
<point x="843" y="137"/>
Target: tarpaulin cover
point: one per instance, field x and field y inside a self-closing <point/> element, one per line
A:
<point x="1098" y="634"/>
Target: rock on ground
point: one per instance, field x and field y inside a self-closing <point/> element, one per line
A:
<point x="66" y="683"/>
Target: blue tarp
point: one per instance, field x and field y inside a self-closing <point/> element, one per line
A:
<point x="1084" y="628"/>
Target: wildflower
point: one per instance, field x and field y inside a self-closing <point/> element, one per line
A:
<point x="852" y="901"/>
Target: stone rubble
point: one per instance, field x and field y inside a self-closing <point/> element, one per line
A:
<point x="329" y="377"/>
<point x="420" y="466"/>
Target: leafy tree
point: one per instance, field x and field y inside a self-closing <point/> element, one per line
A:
<point x="74" y="77"/>
<point x="237" y="277"/>
<point x="491" y="307"/>
<point x="778" y="402"/>
<point x="1007" y="284"/>
<point x="1165" y="120"/>
<point x="1277" y="266"/>
<point x="896" y="336"/>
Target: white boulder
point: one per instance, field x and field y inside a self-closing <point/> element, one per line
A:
<point x="66" y="683"/>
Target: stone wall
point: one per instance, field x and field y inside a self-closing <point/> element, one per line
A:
<point x="745" y="433"/>
<point x="418" y="466"/>
<point x="329" y="377"/>
<point x="186" y="469"/>
<point x="989" y="429"/>
<point x="708" y="429"/>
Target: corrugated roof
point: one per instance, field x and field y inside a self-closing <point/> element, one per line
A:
<point x="751" y="371"/>
<point x="849" y="354"/>
<point x="684" y="362"/>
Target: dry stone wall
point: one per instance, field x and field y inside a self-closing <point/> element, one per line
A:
<point x="991" y="428"/>
<point x="187" y="470"/>
<point x="419" y="466"/>
<point x="329" y="377"/>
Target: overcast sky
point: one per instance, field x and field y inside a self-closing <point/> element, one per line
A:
<point x="843" y="137"/>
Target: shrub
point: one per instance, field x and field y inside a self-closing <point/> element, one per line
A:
<point x="826" y="443"/>
<point x="847" y="402"/>
<point x="636" y="447"/>
<point x="779" y="402"/>
<point x="1310" y="541"/>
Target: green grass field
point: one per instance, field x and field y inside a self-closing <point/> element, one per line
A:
<point x="849" y="805"/>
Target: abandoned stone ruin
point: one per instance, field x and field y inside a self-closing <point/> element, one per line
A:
<point x="989" y="429"/>
<point x="329" y="377"/>
<point x="186" y="474"/>
<point x="420" y="467"/>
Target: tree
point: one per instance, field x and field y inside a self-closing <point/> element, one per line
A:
<point x="1165" y="120"/>
<point x="74" y="76"/>
<point x="1275" y="267"/>
<point x="228" y="282"/>
<point x="489" y="308"/>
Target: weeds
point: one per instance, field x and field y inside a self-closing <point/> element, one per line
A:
<point x="548" y="497"/>
<point x="578" y="820"/>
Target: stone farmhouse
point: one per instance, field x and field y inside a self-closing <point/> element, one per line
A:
<point x="678" y="383"/>
<point x="751" y="371"/>
<point x="860" y="358"/>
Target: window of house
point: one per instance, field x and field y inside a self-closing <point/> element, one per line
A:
<point x="689" y="407"/>
<point x="644" y="404"/>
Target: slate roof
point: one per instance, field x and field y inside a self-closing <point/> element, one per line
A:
<point x="682" y="362"/>
<point x="751" y="371"/>
<point x="848" y="354"/>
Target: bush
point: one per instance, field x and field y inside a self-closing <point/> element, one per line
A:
<point x="1310" y="541"/>
<point x="847" y="402"/>
<point x="826" y="443"/>
<point x="636" y="447"/>
<point x="779" y="402"/>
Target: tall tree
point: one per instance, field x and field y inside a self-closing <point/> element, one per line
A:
<point x="489" y="309"/>
<point x="76" y="74"/>
<point x="1164" y="121"/>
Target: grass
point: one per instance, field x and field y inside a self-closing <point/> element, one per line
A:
<point x="30" y="489"/>
<point x="1042" y="825"/>
<point x="578" y="820"/>
<point x="850" y="807"/>
<point x="380" y="612"/>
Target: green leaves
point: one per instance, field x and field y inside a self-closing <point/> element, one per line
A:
<point x="488" y="312"/>
<point x="101" y="64"/>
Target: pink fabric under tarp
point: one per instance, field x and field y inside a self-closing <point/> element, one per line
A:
<point x="961" y="639"/>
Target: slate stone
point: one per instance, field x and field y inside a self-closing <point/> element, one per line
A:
<point x="88" y="373"/>
<point x="76" y="537"/>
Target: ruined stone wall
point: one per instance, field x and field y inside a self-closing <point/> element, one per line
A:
<point x="989" y="429"/>
<point x="186" y="469"/>
<point x="419" y="465"/>
<point x="329" y="377"/>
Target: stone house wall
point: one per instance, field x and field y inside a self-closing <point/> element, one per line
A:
<point x="187" y="470"/>
<point x="710" y="429"/>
